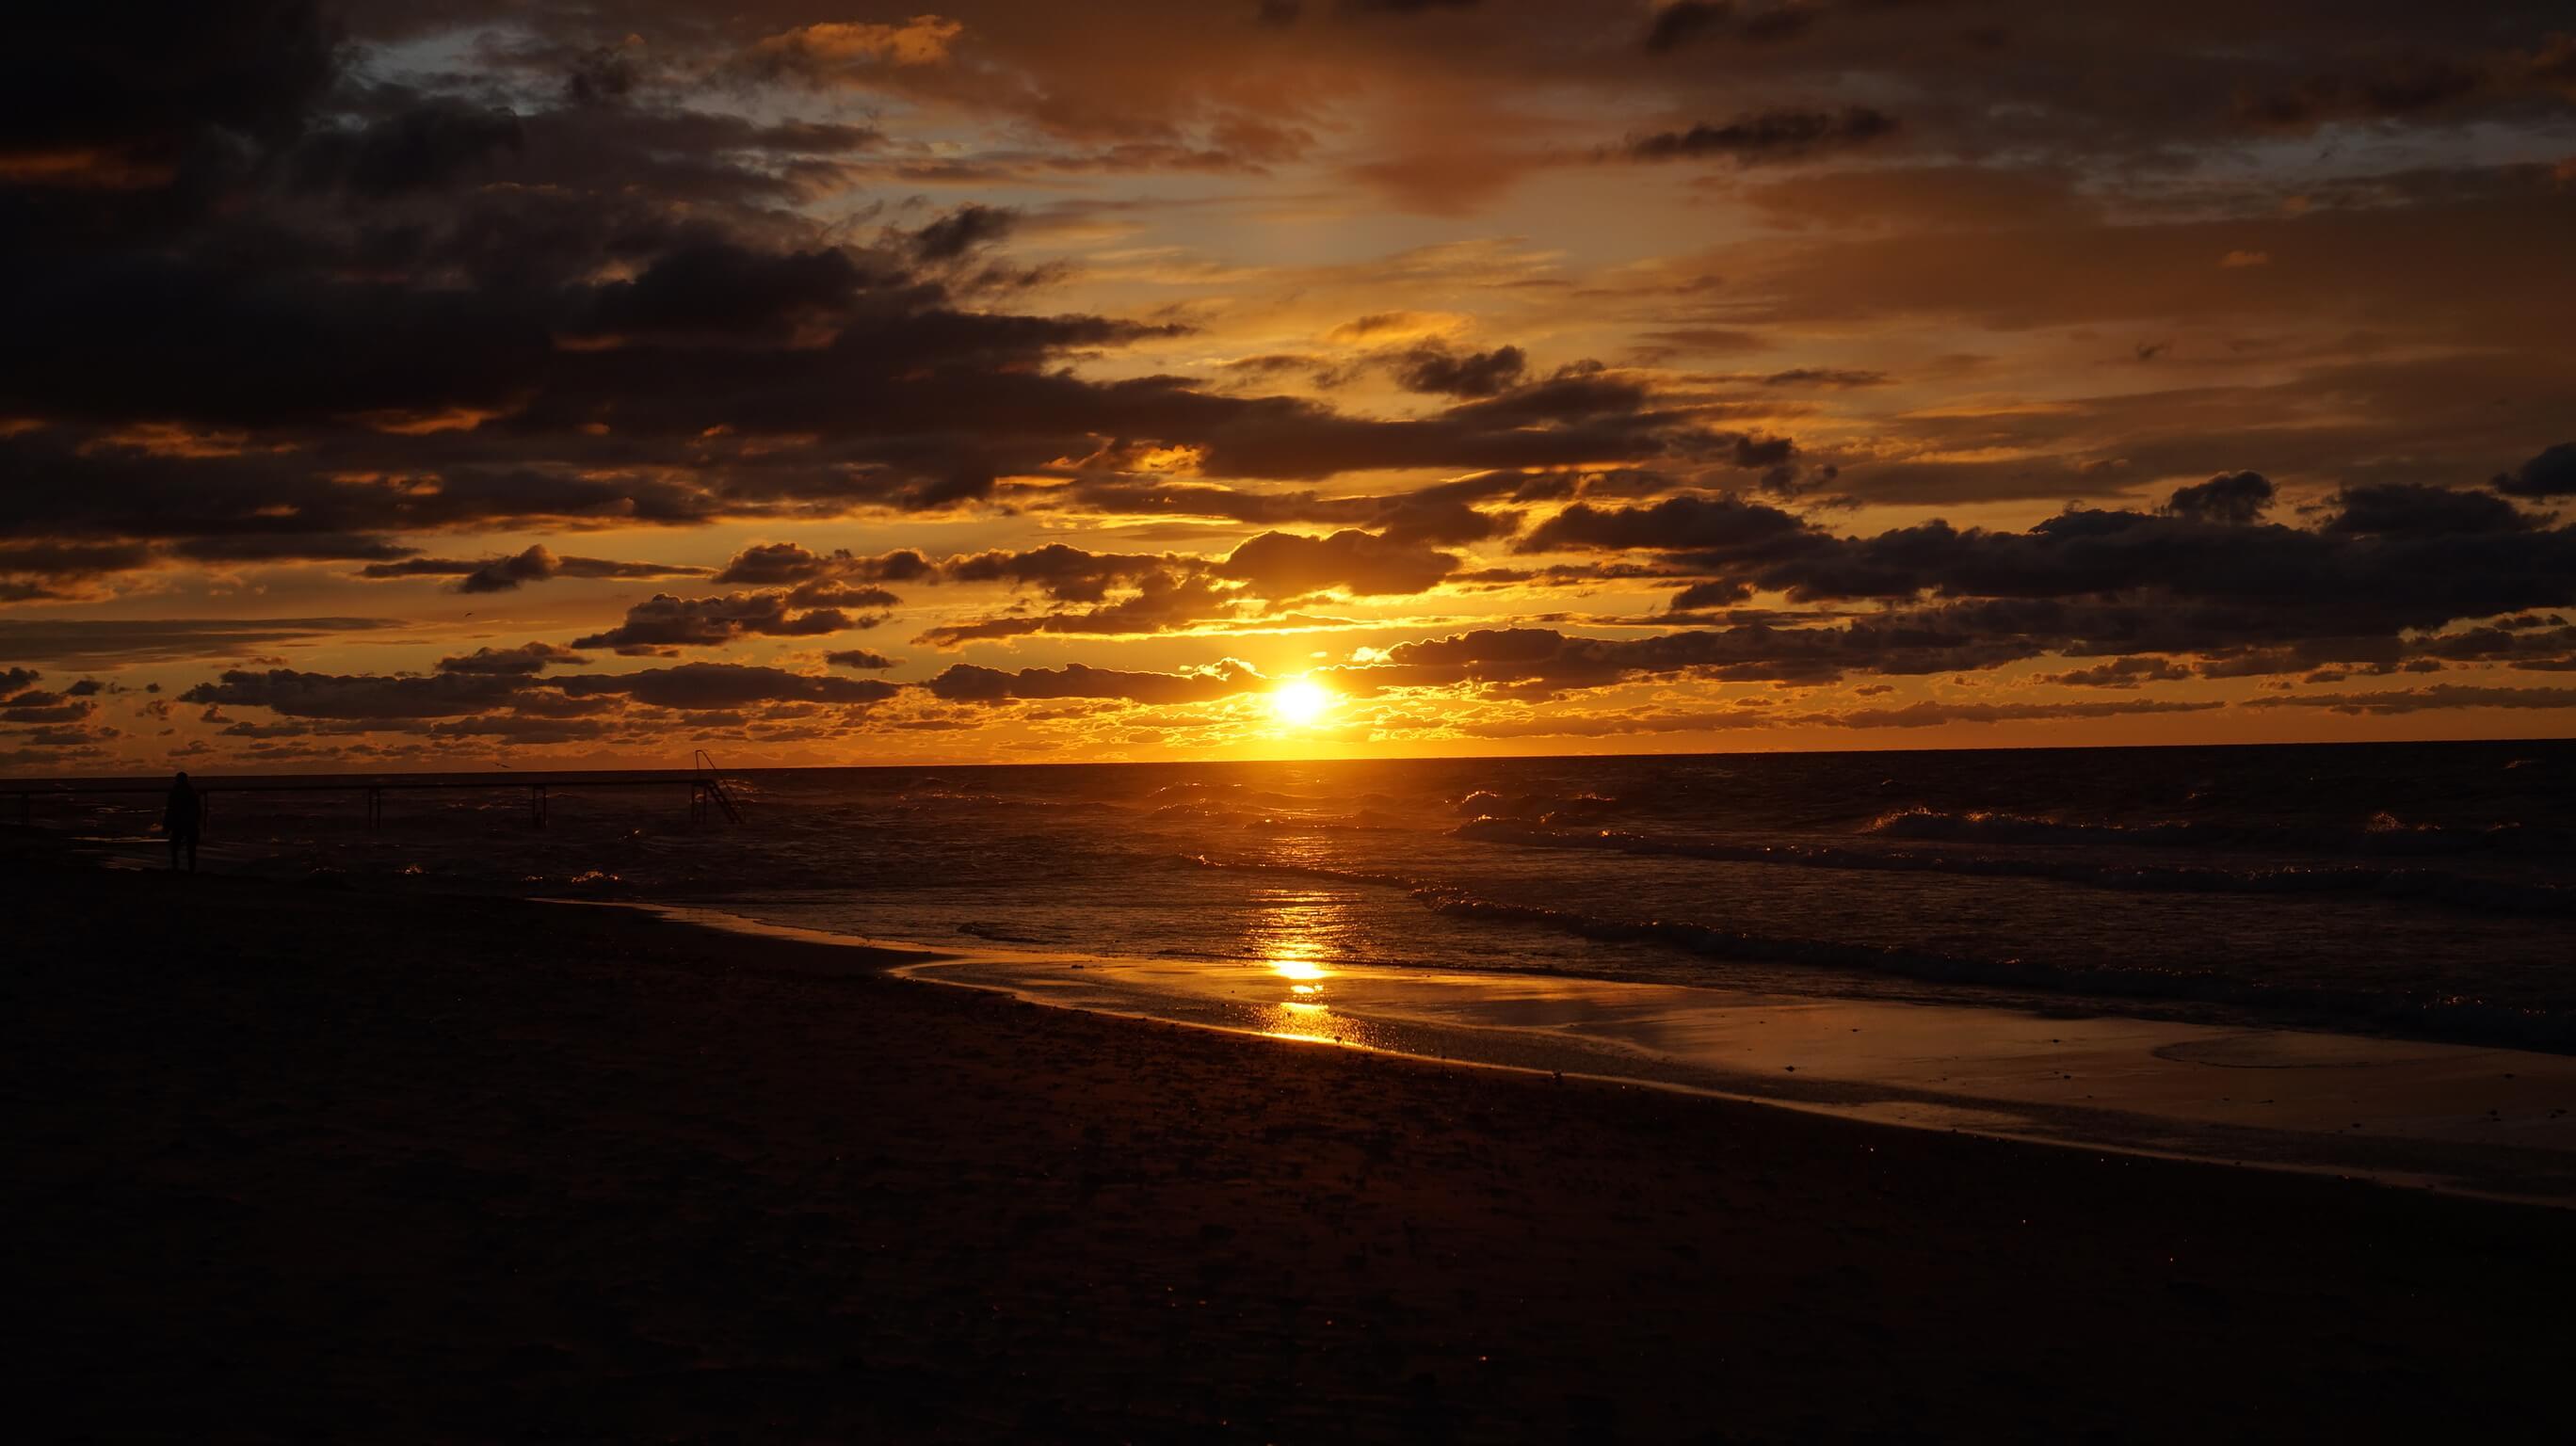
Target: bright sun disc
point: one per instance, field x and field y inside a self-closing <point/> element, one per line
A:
<point x="1300" y="701"/>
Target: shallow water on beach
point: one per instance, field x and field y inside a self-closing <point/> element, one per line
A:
<point x="2425" y="890"/>
<point x="2465" y="1118"/>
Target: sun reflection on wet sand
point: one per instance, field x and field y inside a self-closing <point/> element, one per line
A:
<point x="1293" y="937"/>
<point x="1300" y="1020"/>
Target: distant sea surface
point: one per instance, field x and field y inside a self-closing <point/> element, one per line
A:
<point x="2421" y="889"/>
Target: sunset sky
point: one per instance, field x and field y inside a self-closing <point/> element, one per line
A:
<point x="414" y="385"/>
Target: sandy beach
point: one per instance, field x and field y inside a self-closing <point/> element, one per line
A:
<point x="2475" y="1120"/>
<point x="296" y="1162"/>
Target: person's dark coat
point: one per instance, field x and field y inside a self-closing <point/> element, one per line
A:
<point x="179" y="816"/>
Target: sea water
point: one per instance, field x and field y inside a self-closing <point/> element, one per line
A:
<point x="2418" y="889"/>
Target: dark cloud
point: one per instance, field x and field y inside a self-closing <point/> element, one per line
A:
<point x="1286" y="565"/>
<point x="505" y="699"/>
<point x="965" y="229"/>
<point x="119" y="641"/>
<point x="1270" y="366"/>
<point x="2234" y="497"/>
<point x="427" y="146"/>
<point x="1059" y="572"/>
<point x="519" y="728"/>
<point x="859" y="658"/>
<point x="834" y="593"/>
<point x="2391" y="559"/>
<point x="601" y="75"/>
<point x="2404" y="510"/>
<point x="699" y="687"/>
<point x="1568" y="422"/>
<point x="1539" y="662"/>
<point x="2545" y="645"/>
<point x="663" y="621"/>
<point x="2370" y="542"/>
<point x="2121" y="673"/>
<point x="2550" y="474"/>
<point x="1716" y="527"/>
<point x="75" y="742"/>
<point x="295" y="694"/>
<point x="72" y="559"/>
<point x="1667" y="341"/>
<point x="1560" y="724"/>
<point x="1476" y="374"/>
<point x="2417" y="700"/>
<point x="966" y="683"/>
<point x="149" y="89"/>
<point x="41" y="570"/>
<point x="1759" y="137"/>
<point x="35" y="708"/>
<point x="1931" y="715"/>
<point x="772" y="564"/>
<point x="1067" y="574"/>
<point x="1840" y="378"/>
<point x="1916" y="715"/>
<point x="525" y="660"/>
<point x="1442" y="513"/>
<point x="1573" y="394"/>
<point x="915" y="412"/>
<point x="537" y="564"/>
<point x="615" y="334"/>
<point x="1683" y="21"/>
<point x="2404" y="86"/>
<point x="1163" y="602"/>
<point x="1164" y="592"/>
<point x="723" y="290"/>
<point x="2400" y="88"/>
<point x="1170" y="593"/>
<point x="287" y="547"/>
<point x="1701" y="595"/>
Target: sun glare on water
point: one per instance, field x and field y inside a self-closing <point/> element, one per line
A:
<point x="1300" y="701"/>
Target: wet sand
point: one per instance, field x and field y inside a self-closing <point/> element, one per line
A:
<point x="2499" y="1123"/>
<point x="293" y="1162"/>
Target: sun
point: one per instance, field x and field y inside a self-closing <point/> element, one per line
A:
<point x="1300" y="701"/>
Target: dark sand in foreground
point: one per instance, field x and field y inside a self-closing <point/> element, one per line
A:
<point x="289" y="1162"/>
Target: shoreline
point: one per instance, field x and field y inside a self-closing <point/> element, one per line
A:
<point x="2504" y="1129"/>
<point x="2427" y="1155"/>
<point x="307" y="1161"/>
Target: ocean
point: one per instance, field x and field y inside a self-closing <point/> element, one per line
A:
<point x="2422" y="890"/>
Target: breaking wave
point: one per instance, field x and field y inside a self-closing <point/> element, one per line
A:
<point x="2380" y="834"/>
<point x="2501" y="896"/>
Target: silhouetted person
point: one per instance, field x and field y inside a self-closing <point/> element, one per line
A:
<point x="179" y="818"/>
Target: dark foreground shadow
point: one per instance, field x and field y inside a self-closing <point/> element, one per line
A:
<point x="294" y="1163"/>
